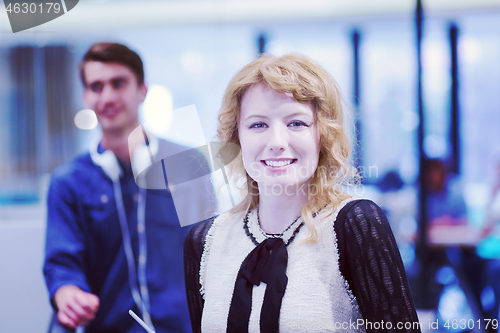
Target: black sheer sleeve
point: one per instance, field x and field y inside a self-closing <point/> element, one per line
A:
<point x="370" y="261"/>
<point x="193" y="250"/>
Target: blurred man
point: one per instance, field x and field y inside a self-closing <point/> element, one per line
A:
<point x="112" y="246"/>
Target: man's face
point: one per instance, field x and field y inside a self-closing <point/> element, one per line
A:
<point x="111" y="90"/>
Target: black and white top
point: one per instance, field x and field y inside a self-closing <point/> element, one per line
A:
<point x="350" y="280"/>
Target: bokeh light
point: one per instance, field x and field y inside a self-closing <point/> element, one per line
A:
<point x="157" y="110"/>
<point x="86" y="119"/>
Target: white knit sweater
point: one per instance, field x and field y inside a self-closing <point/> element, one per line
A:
<point x="317" y="297"/>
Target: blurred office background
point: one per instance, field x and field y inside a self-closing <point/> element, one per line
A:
<point x="192" y="48"/>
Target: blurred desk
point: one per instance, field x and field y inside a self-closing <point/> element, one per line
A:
<point x="464" y="235"/>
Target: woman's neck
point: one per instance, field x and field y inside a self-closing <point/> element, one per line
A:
<point x="277" y="212"/>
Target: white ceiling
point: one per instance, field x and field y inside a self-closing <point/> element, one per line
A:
<point x="119" y="14"/>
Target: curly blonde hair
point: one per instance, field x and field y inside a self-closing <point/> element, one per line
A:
<point x="308" y="83"/>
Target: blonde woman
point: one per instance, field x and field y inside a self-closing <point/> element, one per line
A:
<point x="298" y="254"/>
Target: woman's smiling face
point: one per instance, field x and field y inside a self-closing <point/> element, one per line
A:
<point x="279" y="139"/>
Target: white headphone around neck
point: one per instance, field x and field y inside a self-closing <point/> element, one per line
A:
<point x="107" y="161"/>
<point x="142" y="156"/>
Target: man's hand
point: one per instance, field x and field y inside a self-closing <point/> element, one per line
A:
<point x="75" y="306"/>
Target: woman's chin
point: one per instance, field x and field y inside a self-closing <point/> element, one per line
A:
<point x="279" y="187"/>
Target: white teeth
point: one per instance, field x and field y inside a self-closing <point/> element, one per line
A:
<point x="278" y="163"/>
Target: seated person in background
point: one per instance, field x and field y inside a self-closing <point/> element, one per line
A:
<point x="328" y="262"/>
<point x="445" y="201"/>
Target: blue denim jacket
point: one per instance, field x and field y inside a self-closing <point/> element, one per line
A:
<point x="85" y="248"/>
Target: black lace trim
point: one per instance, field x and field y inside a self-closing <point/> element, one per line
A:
<point x="294" y="234"/>
<point x="252" y="238"/>
<point x="247" y="231"/>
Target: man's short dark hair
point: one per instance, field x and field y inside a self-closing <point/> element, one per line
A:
<point x="116" y="53"/>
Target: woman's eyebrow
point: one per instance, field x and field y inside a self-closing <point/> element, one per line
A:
<point x="300" y="113"/>
<point x="259" y="116"/>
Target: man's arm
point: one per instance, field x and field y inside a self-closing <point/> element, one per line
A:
<point x="64" y="267"/>
<point x="75" y="306"/>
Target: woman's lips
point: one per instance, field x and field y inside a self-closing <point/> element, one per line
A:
<point x="278" y="165"/>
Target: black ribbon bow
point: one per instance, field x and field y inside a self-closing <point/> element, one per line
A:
<point x="266" y="263"/>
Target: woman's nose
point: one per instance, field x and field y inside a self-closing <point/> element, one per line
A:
<point x="278" y="138"/>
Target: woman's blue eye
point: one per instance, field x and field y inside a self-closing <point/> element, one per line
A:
<point x="258" y="125"/>
<point x="297" y="123"/>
